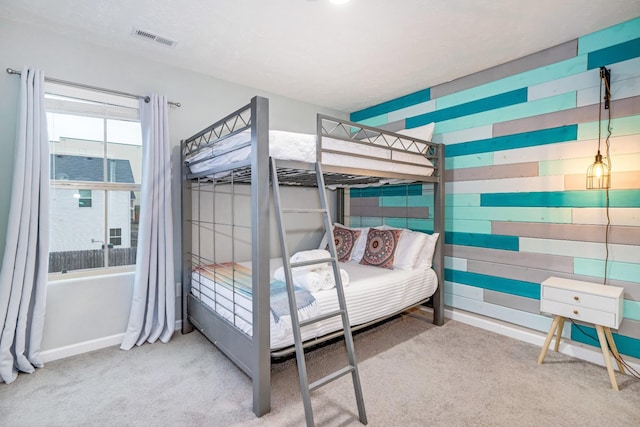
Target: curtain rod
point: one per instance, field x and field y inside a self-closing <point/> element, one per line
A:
<point x="99" y="89"/>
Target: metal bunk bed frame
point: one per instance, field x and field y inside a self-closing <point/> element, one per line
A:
<point x="252" y="353"/>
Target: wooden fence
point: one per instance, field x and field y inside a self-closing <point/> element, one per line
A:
<point x="80" y="260"/>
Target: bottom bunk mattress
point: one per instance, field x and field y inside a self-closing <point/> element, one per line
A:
<point x="371" y="293"/>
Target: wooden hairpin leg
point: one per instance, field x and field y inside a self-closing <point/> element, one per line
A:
<point x="552" y="331"/>
<point x="559" y="334"/>
<point x="614" y="349"/>
<point x="607" y="356"/>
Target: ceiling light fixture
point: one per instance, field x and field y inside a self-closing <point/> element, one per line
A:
<point x="599" y="173"/>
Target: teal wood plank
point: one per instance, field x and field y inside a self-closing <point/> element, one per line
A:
<point x="396" y="222"/>
<point x="538" y="107"/>
<point x="467" y="226"/>
<point x="391" y="190"/>
<point x="375" y="121"/>
<point x="615" y="270"/>
<point x="414" y="110"/>
<point x="424" y="225"/>
<point x="355" y="221"/>
<point x="498" y="284"/>
<point x="616" y="53"/>
<point x="489" y="103"/>
<point x="611" y="36"/>
<point x="588" y="335"/>
<point x="528" y="78"/>
<point x="392" y="105"/>
<point x="419" y="201"/>
<point x="559" y="199"/>
<point x="366" y="221"/>
<point x="631" y="309"/>
<point x="509" y="142"/>
<point x="462" y="199"/>
<point x="469" y="161"/>
<point x="492" y="241"/>
<point x="629" y="125"/>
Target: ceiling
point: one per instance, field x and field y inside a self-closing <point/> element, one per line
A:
<point x="343" y="57"/>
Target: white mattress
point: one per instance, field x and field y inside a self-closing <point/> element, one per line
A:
<point x="301" y="147"/>
<point x="372" y="293"/>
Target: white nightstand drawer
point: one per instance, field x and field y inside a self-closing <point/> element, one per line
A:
<point x="580" y="299"/>
<point x="584" y="314"/>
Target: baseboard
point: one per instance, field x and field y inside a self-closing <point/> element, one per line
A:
<point x="87" y="346"/>
<point x="570" y="348"/>
<point x="79" y="348"/>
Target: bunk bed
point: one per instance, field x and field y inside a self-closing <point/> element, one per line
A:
<point x="230" y="300"/>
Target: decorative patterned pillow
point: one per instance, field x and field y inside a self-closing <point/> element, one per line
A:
<point x="381" y="247"/>
<point x="345" y="240"/>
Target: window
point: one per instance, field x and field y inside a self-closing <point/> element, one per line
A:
<point x="95" y="143"/>
<point x="115" y="236"/>
<point x="84" y="198"/>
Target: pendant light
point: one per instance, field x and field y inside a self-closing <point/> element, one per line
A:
<point x="599" y="173"/>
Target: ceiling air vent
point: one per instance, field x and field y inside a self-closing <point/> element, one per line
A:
<point x="149" y="36"/>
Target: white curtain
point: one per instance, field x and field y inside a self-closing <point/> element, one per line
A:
<point x="23" y="279"/>
<point x="154" y="297"/>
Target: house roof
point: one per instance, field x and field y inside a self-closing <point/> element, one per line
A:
<point x="82" y="168"/>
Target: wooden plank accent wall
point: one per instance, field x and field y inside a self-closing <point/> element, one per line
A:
<point x="519" y="138"/>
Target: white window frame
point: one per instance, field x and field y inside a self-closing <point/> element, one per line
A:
<point x="114" y="111"/>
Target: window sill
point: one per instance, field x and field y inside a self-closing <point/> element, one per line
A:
<point x="94" y="272"/>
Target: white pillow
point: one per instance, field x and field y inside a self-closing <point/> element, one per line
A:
<point x="423" y="132"/>
<point x="409" y="247"/>
<point x="361" y="244"/>
<point x="425" y="257"/>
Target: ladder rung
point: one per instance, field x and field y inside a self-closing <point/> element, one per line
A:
<point x="320" y="318"/>
<point x="315" y="210"/>
<point x="331" y="377"/>
<point x="311" y="262"/>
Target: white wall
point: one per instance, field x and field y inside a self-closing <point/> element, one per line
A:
<point x="204" y="100"/>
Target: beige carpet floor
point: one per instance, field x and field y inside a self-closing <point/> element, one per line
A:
<point x="413" y="374"/>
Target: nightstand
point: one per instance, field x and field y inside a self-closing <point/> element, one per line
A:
<point x="588" y="302"/>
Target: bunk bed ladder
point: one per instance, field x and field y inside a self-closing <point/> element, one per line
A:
<point x="352" y="367"/>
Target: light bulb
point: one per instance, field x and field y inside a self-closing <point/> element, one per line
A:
<point x="597" y="170"/>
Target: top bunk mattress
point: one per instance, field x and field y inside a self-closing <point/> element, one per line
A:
<point x="301" y="147"/>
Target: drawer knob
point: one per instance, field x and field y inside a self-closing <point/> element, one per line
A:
<point x="575" y="311"/>
<point x="577" y="298"/>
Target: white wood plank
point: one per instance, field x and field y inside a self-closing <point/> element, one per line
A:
<point x="521" y="318"/>
<point x="471" y="292"/>
<point x="465" y="135"/>
<point x="622" y="163"/>
<point x="414" y="110"/>
<point x="619" y="216"/>
<point x="620" y="253"/>
<point x="565" y="150"/>
<point x="454" y="263"/>
<point x="625" y="89"/>
<point x="507" y="185"/>
<point x="575" y="82"/>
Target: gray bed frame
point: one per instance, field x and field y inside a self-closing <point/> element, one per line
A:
<point x="252" y="353"/>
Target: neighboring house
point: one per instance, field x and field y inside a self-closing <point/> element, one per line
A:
<point x="87" y="206"/>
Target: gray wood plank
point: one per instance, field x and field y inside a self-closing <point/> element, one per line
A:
<point x="589" y="113"/>
<point x="515" y="170"/>
<point x="622" y="235"/>
<point x="539" y="59"/>
<point x="554" y="263"/>
<point x="512" y="301"/>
